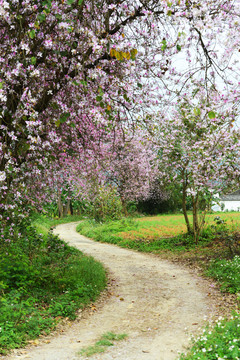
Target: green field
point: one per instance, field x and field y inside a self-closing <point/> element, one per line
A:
<point x="170" y="225"/>
<point x="153" y="233"/>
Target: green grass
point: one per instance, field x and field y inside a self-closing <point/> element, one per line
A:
<point x="156" y="233"/>
<point x="130" y="233"/>
<point x="42" y="280"/>
<point x="44" y="223"/>
<point x="102" y="344"/>
<point x="213" y="251"/>
<point x="152" y="228"/>
<point x="227" y="273"/>
<point x="219" y="342"/>
<point x="170" y="225"/>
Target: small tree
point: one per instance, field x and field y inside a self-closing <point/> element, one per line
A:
<point x="199" y="148"/>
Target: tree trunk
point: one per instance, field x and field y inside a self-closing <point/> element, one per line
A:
<point x="67" y="208"/>
<point x="124" y="207"/>
<point x="184" y="207"/>
<point x="71" y="208"/>
<point x="196" y="227"/>
<point x="60" y="207"/>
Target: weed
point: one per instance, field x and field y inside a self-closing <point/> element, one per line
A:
<point x="101" y="345"/>
<point x="104" y="342"/>
<point x="91" y="350"/>
<point x="113" y="337"/>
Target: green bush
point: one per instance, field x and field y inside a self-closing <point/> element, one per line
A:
<point x="42" y="278"/>
<point x="106" y="206"/>
<point x="227" y="273"/>
<point x="218" y="343"/>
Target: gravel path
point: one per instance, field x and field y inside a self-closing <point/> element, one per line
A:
<point x="157" y="303"/>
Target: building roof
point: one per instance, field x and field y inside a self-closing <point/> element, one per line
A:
<point x="235" y="196"/>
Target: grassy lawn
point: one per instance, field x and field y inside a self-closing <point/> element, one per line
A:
<point x="166" y="236"/>
<point x="158" y="233"/>
<point x="162" y="226"/>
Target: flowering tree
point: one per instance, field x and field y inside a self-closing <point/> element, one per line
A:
<point x="132" y="167"/>
<point x="71" y="71"/>
<point x="127" y="166"/>
<point x="50" y="50"/>
<point x="199" y="148"/>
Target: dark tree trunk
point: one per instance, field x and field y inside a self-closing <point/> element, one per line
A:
<point x="196" y="227"/>
<point x="184" y="207"/>
<point x="60" y="207"/>
<point x="66" y="208"/>
<point x="71" y="207"/>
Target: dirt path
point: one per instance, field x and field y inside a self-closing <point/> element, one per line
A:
<point x="157" y="303"/>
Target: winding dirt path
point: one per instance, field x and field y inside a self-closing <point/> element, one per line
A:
<point x="157" y="303"/>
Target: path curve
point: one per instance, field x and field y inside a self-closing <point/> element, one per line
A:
<point x="157" y="303"/>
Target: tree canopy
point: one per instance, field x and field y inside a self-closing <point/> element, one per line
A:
<point x="76" y="75"/>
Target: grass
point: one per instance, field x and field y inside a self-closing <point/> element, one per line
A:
<point x="131" y="233"/>
<point x="227" y="273"/>
<point x="162" y="233"/>
<point x="222" y="340"/>
<point x="102" y="344"/>
<point x="215" y="245"/>
<point x="163" y="226"/>
<point x="166" y="235"/>
<point x="218" y="342"/>
<point x="44" y="223"/>
<point x="42" y="280"/>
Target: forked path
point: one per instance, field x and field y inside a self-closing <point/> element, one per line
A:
<point x="157" y="303"/>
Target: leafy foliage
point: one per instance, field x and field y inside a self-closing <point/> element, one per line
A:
<point x="231" y="237"/>
<point x="162" y="200"/>
<point x="41" y="280"/>
<point x="227" y="273"/>
<point x="219" y="342"/>
<point x="105" y="206"/>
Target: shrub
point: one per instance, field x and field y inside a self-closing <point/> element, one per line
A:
<point x="106" y="206"/>
<point x="42" y="278"/>
<point x="230" y="237"/>
<point x="227" y="273"/>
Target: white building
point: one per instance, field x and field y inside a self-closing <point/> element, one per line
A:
<point x="230" y="202"/>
